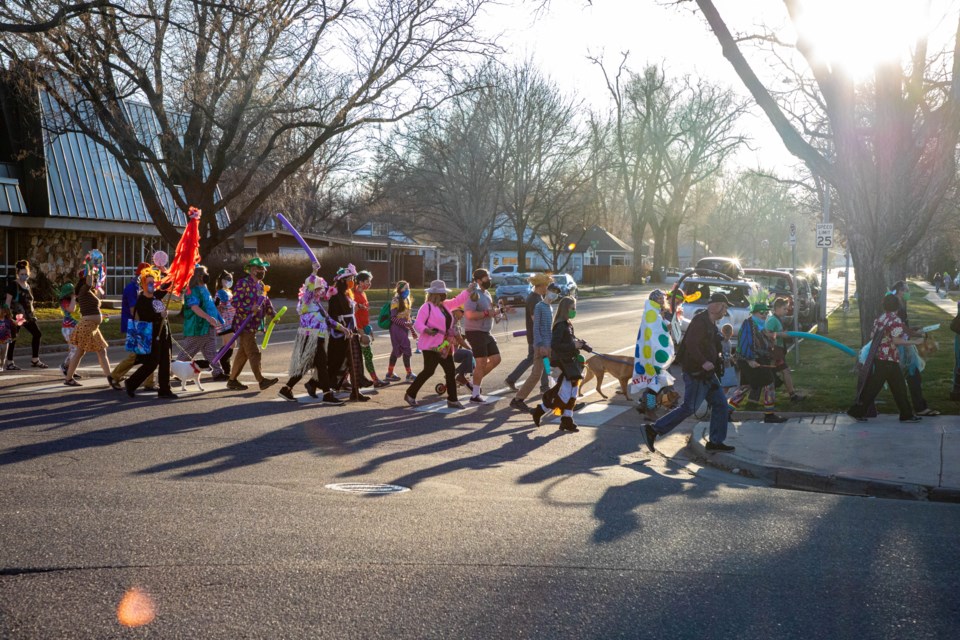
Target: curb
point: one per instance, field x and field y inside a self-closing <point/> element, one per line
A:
<point x="804" y="480"/>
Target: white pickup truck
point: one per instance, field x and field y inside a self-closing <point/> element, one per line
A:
<point x="499" y="274"/>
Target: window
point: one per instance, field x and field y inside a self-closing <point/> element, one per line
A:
<point x="380" y="229"/>
<point x="377" y="255"/>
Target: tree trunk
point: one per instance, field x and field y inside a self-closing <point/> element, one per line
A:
<point x="673" y="245"/>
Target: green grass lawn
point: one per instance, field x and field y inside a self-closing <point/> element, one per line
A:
<point x="827" y="374"/>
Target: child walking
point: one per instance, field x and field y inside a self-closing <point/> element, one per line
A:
<point x="401" y="328"/>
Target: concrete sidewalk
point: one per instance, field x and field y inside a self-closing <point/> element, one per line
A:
<point x="835" y="454"/>
<point x="948" y="305"/>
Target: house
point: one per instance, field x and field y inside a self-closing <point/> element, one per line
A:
<point x="389" y="256"/>
<point x="62" y="195"/>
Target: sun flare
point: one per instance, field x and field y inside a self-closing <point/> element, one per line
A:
<point x="859" y="34"/>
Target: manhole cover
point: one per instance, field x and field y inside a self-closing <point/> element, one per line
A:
<point x="367" y="488"/>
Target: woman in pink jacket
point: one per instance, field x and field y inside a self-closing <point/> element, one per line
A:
<point x="434" y="324"/>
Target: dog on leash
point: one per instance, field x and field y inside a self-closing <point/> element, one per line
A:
<point x="185" y="371"/>
<point x="620" y="367"/>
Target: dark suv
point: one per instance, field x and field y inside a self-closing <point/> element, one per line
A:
<point x="729" y="267"/>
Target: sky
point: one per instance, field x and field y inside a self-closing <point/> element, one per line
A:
<point x="560" y="38"/>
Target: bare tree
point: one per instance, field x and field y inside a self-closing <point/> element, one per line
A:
<point x="253" y="88"/>
<point x="24" y="16"/>
<point x="892" y="145"/>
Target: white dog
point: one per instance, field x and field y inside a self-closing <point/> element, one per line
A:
<point x="186" y="371"/>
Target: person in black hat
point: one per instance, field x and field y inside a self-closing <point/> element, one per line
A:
<point x="700" y="355"/>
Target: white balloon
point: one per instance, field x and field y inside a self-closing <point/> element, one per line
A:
<point x="160" y="258"/>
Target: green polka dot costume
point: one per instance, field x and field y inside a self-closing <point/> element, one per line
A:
<point x="654" y="352"/>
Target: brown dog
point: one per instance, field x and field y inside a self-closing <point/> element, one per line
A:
<point x="928" y="348"/>
<point x="620" y="367"/>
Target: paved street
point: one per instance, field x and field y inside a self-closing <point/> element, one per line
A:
<point x="216" y="506"/>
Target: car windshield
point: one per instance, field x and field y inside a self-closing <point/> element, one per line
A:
<point x="561" y="279"/>
<point x="736" y="293"/>
<point x="514" y="280"/>
<point x="773" y="283"/>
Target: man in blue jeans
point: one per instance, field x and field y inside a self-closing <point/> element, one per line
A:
<point x="540" y="281"/>
<point x="700" y="355"/>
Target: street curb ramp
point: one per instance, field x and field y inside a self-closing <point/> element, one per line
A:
<point x="814" y="481"/>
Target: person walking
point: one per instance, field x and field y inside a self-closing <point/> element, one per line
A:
<point x="87" y="336"/>
<point x="434" y="325"/>
<point x="462" y="354"/>
<point x="909" y="358"/>
<point x="309" y="347"/>
<point x="937" y="280"/>
<point x="224" y="302"/>
<point x="883" y="364"/>
<point x="479" y="315"/>
<point x="19" y="299"/>
<point x="68" y="305"/>
<point x="701" y="359"/>
<point x="250" y="298"/>
<point x="200" y="322"/>
<point x="539" y="281"/>
<point x="128" y="301"/>
<point x="401" y="327"/>
<point x="362" y="313"/>
<point x="541" y="333"/>
<point x="565" y="357"/>
<point x="150" y="308"/>
<point x="343" y="348"/>
<point x="774" y="329"/>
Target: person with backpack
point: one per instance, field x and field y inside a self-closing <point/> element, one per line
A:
<point x="200" y="323"/>
<point x="700" y="355"/>
<point x="19" y="299"/>
<point x="128" y="301"/>
<point x="362" y="313"/>
<point x="435" y="324"/>
<point x="565" y="358"/>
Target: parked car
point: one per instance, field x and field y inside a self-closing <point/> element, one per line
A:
<point x="729" y="267"/>
<point x="671" y="276"/>
<point x="737" y="291"/>
<point x="806" y="300"/>
<point x="779" y="284"/>
<point x="514" y="290"/>
<point x="568" y="286"/>
<point x="500" y="273"/>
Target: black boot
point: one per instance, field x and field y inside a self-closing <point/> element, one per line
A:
<point x="567" y="424"/>
<point x="225" y="361"/>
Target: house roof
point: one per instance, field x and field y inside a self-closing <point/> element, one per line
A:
<point x="330" y="240"/>
<point x="605" y="241"/>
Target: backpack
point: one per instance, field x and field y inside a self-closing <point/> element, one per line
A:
<point x="383" y="320"/>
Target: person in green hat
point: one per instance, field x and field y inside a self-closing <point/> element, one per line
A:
<point x="755" y="357"/>
<point x="250" y="298"/>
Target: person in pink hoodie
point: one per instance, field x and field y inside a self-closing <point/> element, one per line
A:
<point x="434" y="324"/>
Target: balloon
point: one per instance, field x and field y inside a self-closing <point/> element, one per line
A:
<point x="160" y="258"/>
<point x="296" y="234"/>
<point x="813" y="336"/>
<point x="273" y="323"/>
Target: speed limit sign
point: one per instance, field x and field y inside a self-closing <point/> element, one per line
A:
<point x="824" y="235"/>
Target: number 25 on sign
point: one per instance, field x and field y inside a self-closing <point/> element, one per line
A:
<point x="824" y="235"/>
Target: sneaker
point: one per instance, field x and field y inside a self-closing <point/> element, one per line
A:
<point x="772" y="418"/>
<point x="410" y="377"/>
<point x="330" y="398"/>
<point x="266" y="383"/>
<point x="410" y="400"/>
<point x="857" y="418"/>
<point x="649" y="436"/>
<point x="519" y="405"/>
<point x="511" y="385"/>
<point x="359" y="397"/>
<point x="392" y="377"/>
<point x="380" y="384"/>
<point x="911" y="419"/>
<point x="287" y="393"/>
<point x="477" y="399"/>
<point x="928" y="412"/>
<point x="537" y="414"/>
<point x="236" y="385"/>
<point x="455" y="404"/>
<point x="311" y="388"/>
<point x="567" y="424"/>
<point x="719" y="447"/>
<point x="130" y="390"/>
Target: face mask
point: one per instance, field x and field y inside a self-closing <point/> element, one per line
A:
<point x="259" y="274"/>
<point x="23" y="277"/>
<point x="405" y="293"/>
<point x="150" y="287"/>
<point x="227" y="284"/>
<point x="484" y="284"/>
<point x="573" y="313"/>
<point x="351" y="284"/>
<point x="551" y="297"/>
<point x="906" y="296"/>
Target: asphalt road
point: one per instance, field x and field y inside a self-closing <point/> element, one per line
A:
<point x="215" y="506"/>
